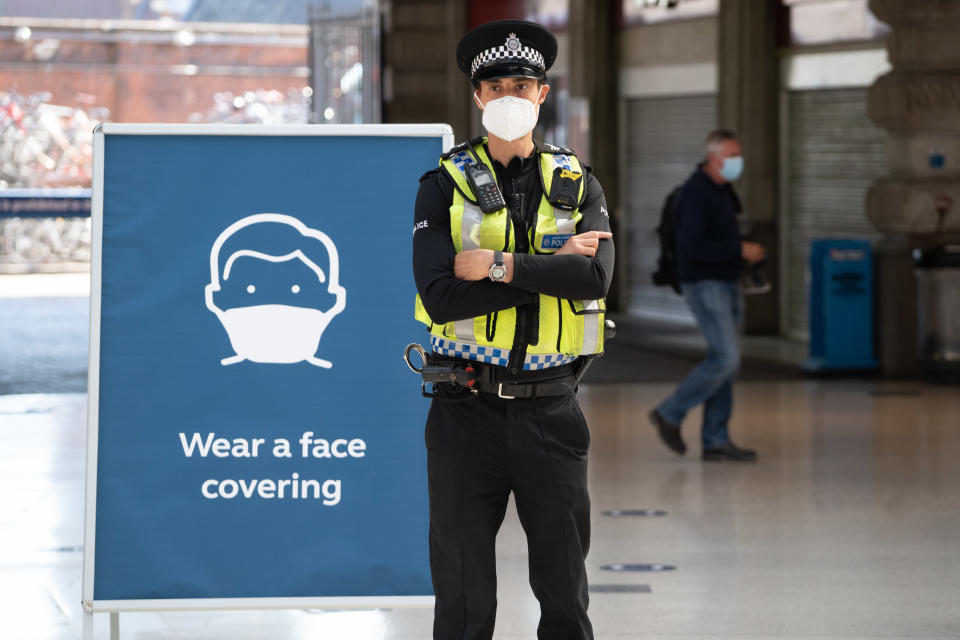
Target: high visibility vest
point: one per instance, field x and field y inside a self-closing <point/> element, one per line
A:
<point x="565" y="327"/>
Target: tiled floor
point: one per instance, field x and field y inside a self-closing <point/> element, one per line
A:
<point x="847" y="527"/>
<point x="44" y="320"/>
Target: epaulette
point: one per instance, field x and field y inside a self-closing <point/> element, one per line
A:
<point x="545" y="147"/>
<point x="429" y="174"/>
<point x="463" y="146"/>
<point x="455" y="150"/>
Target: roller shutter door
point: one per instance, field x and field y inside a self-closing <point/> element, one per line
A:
<point x="834" y="153"/>
<point x="664" y="143"/>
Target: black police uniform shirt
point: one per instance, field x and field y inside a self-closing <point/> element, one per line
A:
<point x="447" y="298"/>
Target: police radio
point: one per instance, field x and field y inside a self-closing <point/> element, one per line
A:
<point x="485" y="186"/>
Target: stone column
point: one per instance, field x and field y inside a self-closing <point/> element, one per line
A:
<point x="594" y="90"/>
<point x="918" y="203"/>
<point x="422" y="82"/>
<point x="747" y="103"/>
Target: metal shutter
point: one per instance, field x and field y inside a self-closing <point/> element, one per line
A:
<point x="664" y="144"/>
<point x="834" y="153"/>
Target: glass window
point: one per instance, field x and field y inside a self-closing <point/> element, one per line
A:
<point x="650" y="11"/>
<point x="550" y="13"/>
<point x="825" y="21"/>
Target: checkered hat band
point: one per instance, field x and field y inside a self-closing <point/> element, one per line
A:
<point x="502" y="53"/>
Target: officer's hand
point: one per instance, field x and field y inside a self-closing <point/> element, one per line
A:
<point x="584" y="244"/>
<point x="474" y="264"/>
<point x="752" y="252"/>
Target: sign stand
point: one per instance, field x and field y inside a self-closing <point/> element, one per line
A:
<point x="87" y="631"/>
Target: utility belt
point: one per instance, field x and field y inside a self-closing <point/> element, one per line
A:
<point x="456" y="379"/>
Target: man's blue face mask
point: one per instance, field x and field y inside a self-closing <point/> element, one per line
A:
<point x="732" y="168"/>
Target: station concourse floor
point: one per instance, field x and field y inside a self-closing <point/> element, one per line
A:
<point x="847" y="527"/>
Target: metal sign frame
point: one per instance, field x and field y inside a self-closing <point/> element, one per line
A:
<point x="90" y="605"/>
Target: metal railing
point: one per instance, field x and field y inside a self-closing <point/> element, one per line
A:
<point x="345" y="66"/>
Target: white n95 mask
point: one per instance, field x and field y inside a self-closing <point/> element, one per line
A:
<point x="509" y="117"/>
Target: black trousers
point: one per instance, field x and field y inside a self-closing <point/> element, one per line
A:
<point x="479" y="451"/>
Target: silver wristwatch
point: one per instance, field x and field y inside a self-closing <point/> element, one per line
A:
<point x="498" y="270"/>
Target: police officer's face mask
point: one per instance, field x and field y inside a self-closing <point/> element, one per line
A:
<point x="509" y="117"/>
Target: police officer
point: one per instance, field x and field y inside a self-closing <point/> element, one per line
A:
<point x="512" y="256"/>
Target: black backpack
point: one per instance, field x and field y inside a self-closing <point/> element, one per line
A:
<point x="666" y="273"/>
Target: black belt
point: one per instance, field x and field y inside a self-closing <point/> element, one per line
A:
<point x="510" y="390"/>
<point x="489" y="373"/>
<point x="472" y="376"/>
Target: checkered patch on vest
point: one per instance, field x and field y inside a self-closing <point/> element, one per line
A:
<point x="562" y="161"/>
<point x="461" y="159"/>
<point x="494" y="356"/>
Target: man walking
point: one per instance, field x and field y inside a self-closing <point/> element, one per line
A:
<point x="710" y="255"/>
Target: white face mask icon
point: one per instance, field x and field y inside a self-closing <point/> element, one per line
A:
<point x="274" y="304"/>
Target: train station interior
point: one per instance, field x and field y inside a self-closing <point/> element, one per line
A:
<point x="847" y="524"/>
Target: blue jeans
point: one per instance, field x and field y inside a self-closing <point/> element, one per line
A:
<point x="716" y="306"/>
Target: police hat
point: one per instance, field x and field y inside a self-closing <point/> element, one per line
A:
<point x="507" y="49"/>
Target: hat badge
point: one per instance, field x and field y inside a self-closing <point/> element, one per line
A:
<point x="513" y="43"/>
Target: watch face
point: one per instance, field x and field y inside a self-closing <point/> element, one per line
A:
<point x="498" y="272"/>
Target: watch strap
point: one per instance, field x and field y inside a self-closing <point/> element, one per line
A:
<point x="498" y="271"/>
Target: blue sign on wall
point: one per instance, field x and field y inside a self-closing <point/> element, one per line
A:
<point x="255" y="431"/>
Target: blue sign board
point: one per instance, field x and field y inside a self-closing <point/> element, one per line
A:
<point x="254" y="431"/>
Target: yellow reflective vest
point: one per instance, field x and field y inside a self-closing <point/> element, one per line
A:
<point x="566" y="327"/>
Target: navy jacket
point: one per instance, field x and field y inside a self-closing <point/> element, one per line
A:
<point x="707" y="233"/>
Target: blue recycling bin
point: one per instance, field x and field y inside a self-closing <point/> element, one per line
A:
<point x="841" y="306"/>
